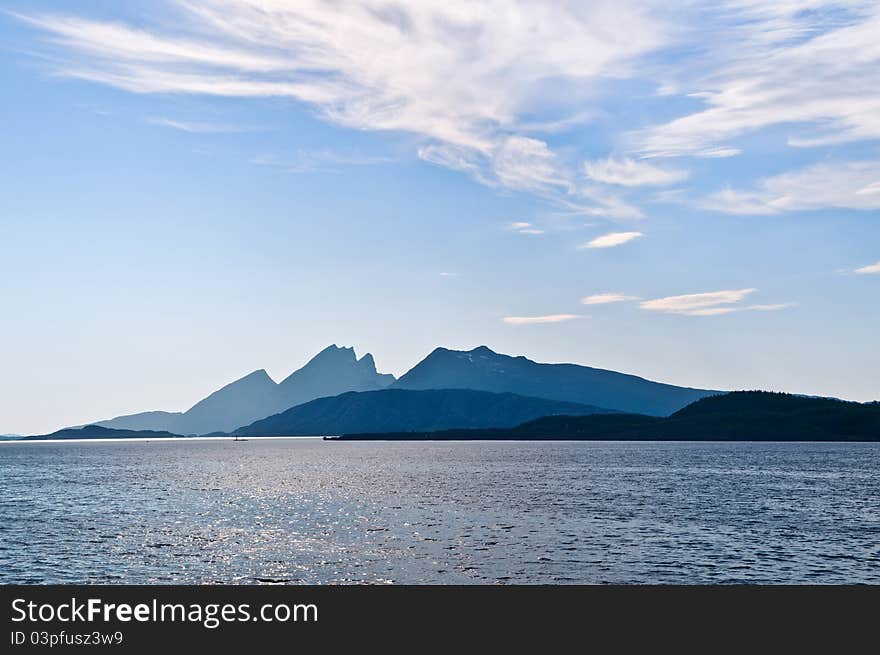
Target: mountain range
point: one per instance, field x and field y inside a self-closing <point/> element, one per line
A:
<point x="97" y="432"/>
<point x="402" y="409"/>
<point x="332" y="371"/>
<point x="336" y="370"/>
<point x="485" y="370"/>
<point x="734" y="416"/>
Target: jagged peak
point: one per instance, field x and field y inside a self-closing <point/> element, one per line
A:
<point x="332" y="355"/>
<point x="259" y="373"/>
<point x="479" y="350"/>
<point x="334" y="351"/>
<point x="332" y="348"/>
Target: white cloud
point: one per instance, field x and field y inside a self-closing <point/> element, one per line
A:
<point x="717" y="153"/>
<point x="528" y="165"/>
<point x="698" y="304"/>
<point x="630" y="172"/>
<point x="531" y="320"/>
<point x="712" y="303"/>
<point x="600" y="204"/>
<point x="524" y="228"/>
<point x="845" y="185"/>
<point x="200" y="127"/>
<point x="769" y="308"/>
<point x="612" y="239"/>
<point x="458" y="159"/>
<point x="869" y="269"/>
<point x="463" y="75"/>
<point x="476" y="80"/>
<point x="304" y="161"/>
<point x="605" y="298"/>
<point x="812" y="65"/>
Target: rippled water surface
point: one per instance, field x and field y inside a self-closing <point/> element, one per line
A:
<point x="304" y="510"/>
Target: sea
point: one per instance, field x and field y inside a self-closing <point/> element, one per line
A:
<point x="303" y="510"/>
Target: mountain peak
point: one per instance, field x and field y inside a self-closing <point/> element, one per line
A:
<point x="334" y="349"/>
<point x="485" y="370"/>
<point x="259" y="374"/>
<point x="335" y="354"/>
<point x="258" y="377"/>
<point x="482" y="351"/>
<point x="368" y="362"/>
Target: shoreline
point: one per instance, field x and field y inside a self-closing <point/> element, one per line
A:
<point x="149" y="439"/>
<point x="385" y="439"/>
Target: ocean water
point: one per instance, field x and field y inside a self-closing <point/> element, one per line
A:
<point x="309" y="511"/>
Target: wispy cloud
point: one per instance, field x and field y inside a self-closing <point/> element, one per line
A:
<point x="531" y="320"/>
<point x="528" y="164"/>
<point x="201" y="127"/>
<point x="869" y="269"/>
<point x="523" y="227"/>
<point x="711" y="303"/>
<point x="304" y="161"/>
<point x="630" y="172"/>
<point x="769" y="308"/>
<point x="698" y="304"/>
<point x="479" y="82"/>
<point x="844" y="185"/>
<point x="612" y="239"/>
<point x="606" y="298"/>
<point x="814" y="65"/>
<point x="462" y="75"/>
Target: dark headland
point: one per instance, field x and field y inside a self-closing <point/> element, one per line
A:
<point x="98" y="432"/>
<point x="735" y="416"/>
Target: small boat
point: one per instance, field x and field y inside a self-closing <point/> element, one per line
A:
<point x="237" y="439"/>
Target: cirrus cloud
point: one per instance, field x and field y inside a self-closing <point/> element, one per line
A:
<point x="813" y="66"/>
<point x="522" y="227"/>
<point x="478" y="81"/>
<point x="845" y="185"/>
<point x="698" y="304"/>
<point x="712" y="303"/>
<point x="630" y="172"/>
<point x="532" y="320"/>
<point x="467" y="77"/>
<point x="612" y="239"/>
<point x="606" y="298"/>
<point x="869" y="269"/>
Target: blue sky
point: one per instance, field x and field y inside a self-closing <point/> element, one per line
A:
<point x="194" y="190"/>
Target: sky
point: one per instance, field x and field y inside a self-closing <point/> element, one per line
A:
<point x="192" y="190"/>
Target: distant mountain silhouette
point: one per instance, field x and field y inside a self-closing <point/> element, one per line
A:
<point x="157" y="420"/>
<point x="250" y="397"/>
<point x="399" y="409"/>
<point x="97" y="432"/>
<point x="485" y="370"/>
<point x="332" y="371"/>
<point x="735" y="416"/>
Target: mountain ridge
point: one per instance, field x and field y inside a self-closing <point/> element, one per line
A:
<point x="486" y="370"/>
<point x="408" y="409"/>
<point x="99" y="432"/>
<point x="734" y="416"/>
<point x="256" y="395"/>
